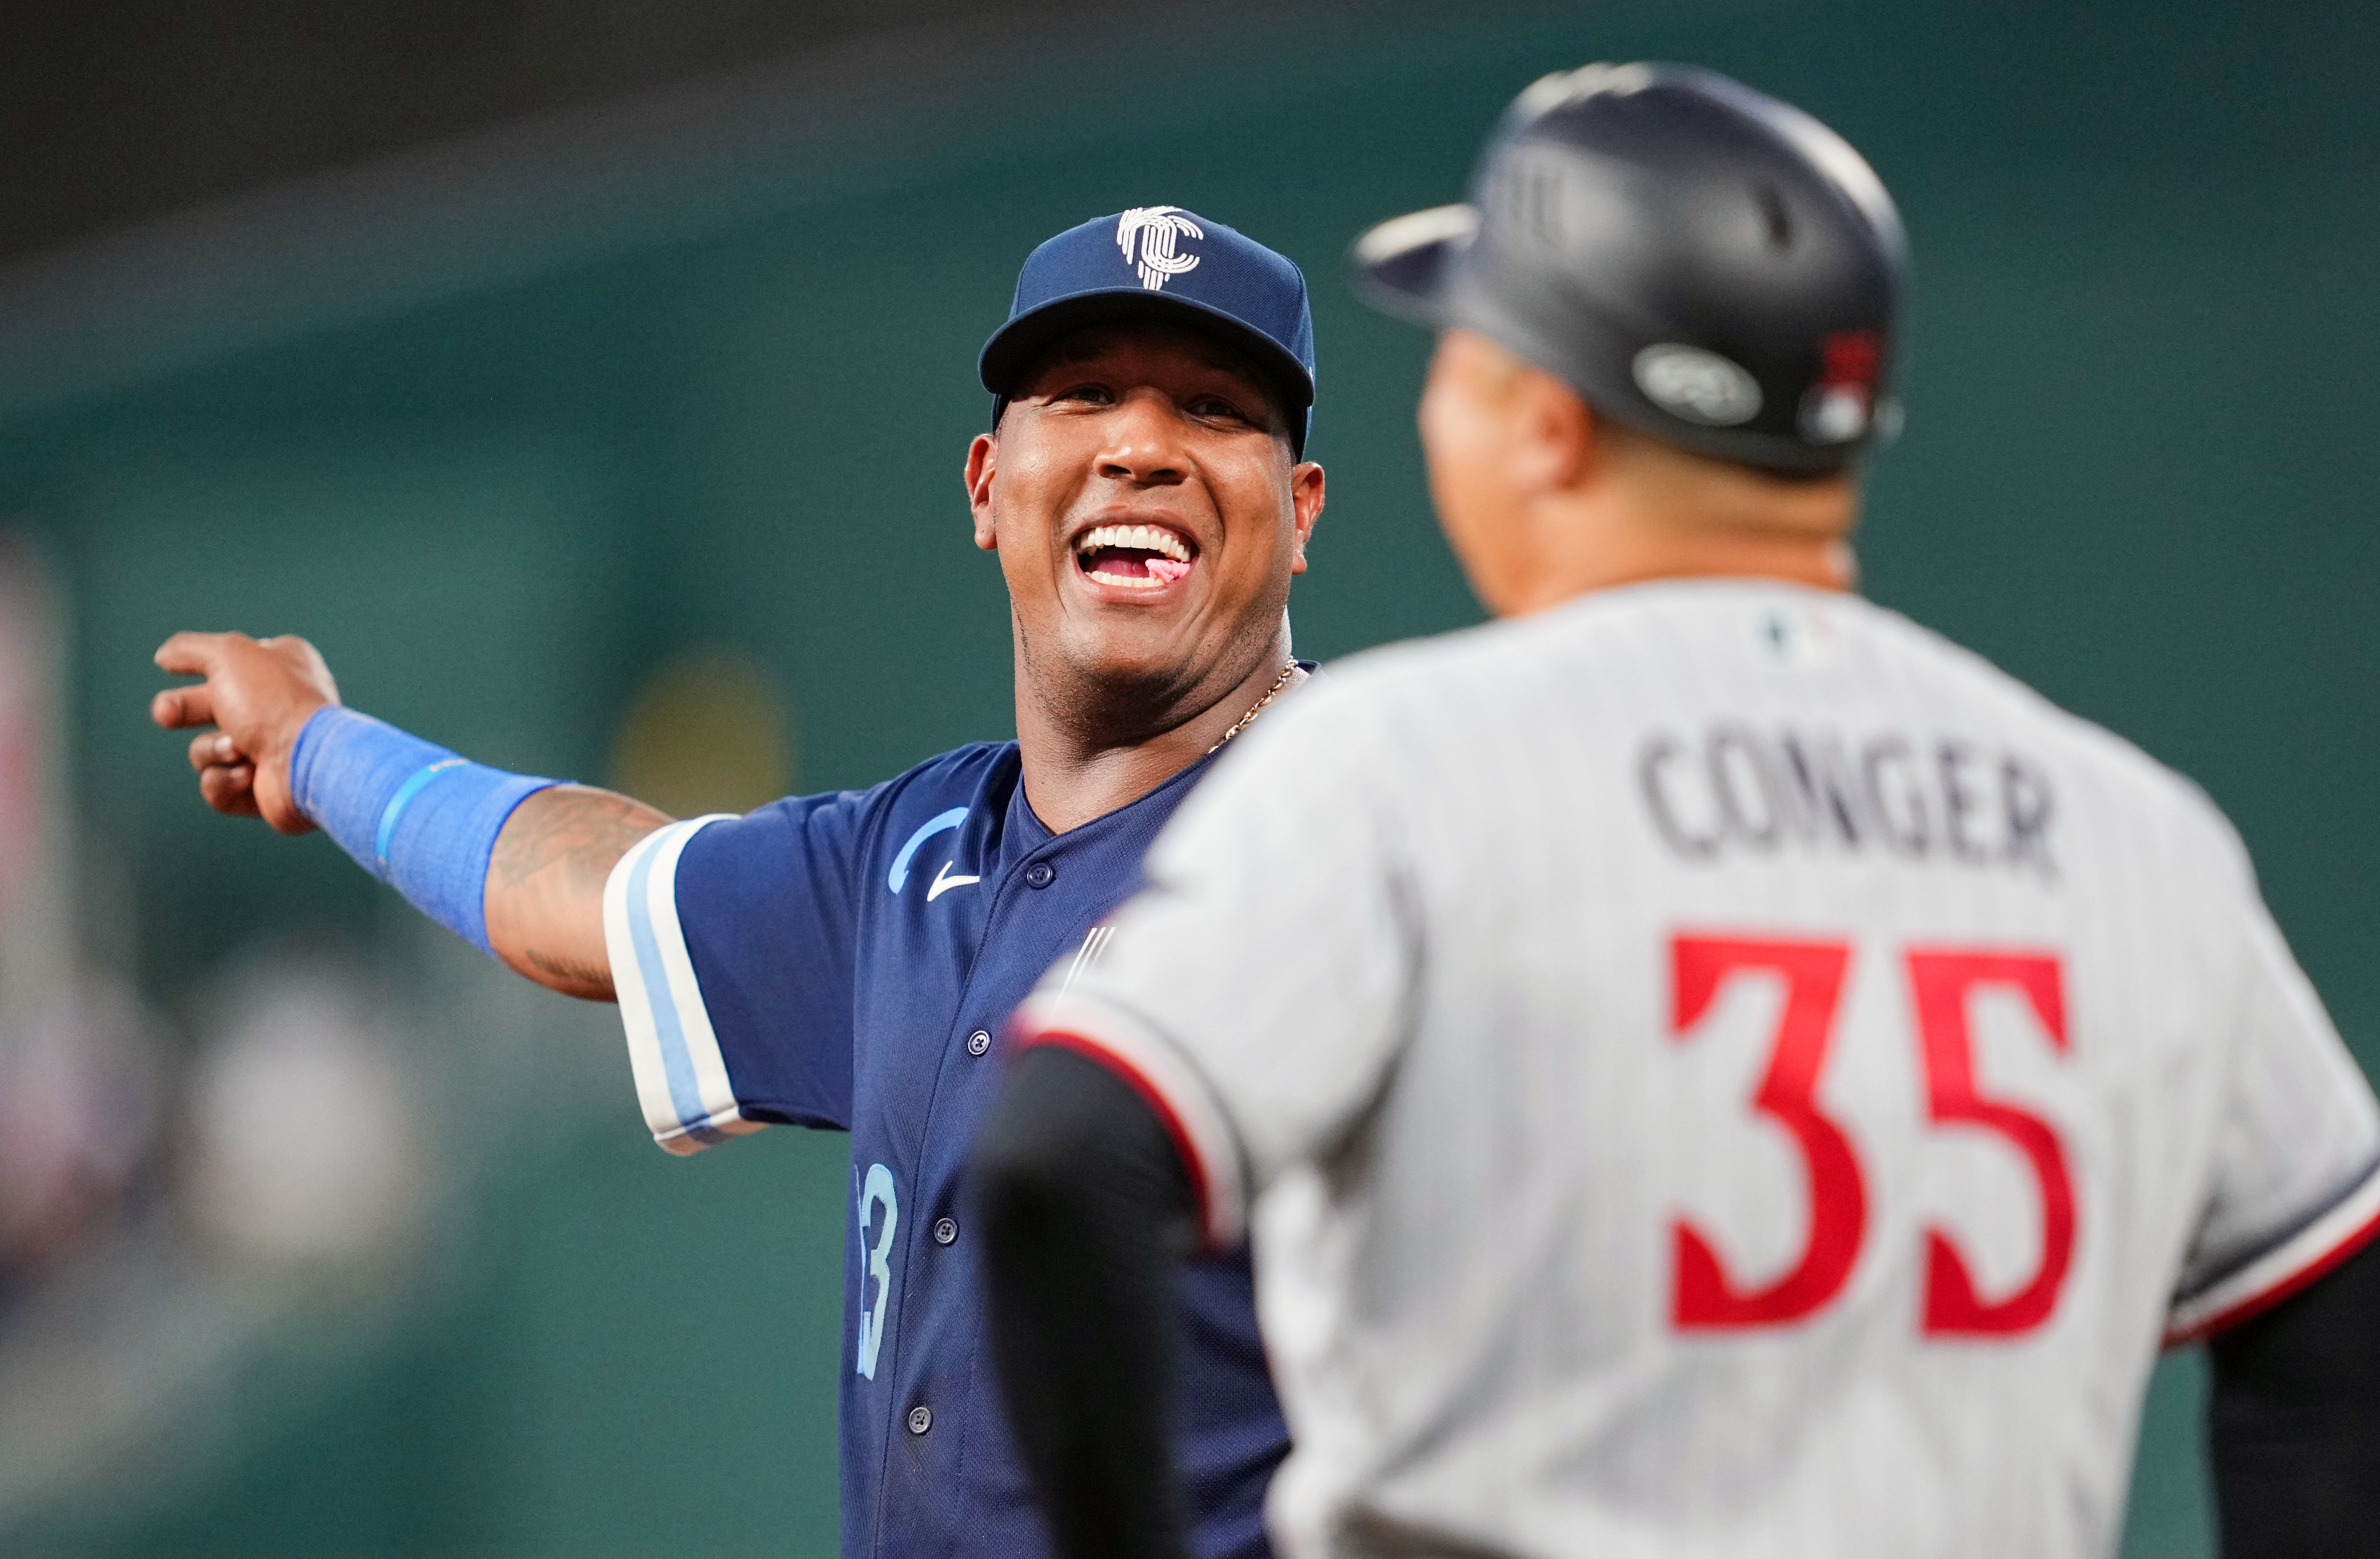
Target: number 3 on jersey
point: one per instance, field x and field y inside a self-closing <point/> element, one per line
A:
<point x="875" y="1261"/>
<point x="1705" y="1298"/>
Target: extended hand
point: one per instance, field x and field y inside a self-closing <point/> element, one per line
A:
<point x="259" y="695"/>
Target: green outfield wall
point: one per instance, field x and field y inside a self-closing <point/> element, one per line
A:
<point x="506" y="432"/>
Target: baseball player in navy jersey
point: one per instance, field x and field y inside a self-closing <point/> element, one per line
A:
<point x="1711" y="1067"/>
<point x="842" y="960"/>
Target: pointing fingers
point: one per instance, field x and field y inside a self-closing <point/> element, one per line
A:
<point x="190" y="654"/>
<point x="179" y="707"/>
<point x="261" y="694"/>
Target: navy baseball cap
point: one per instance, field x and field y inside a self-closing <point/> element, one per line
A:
<point x="1165" y="264"/>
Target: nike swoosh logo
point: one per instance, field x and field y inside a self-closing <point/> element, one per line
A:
<point x="943" y="882"/>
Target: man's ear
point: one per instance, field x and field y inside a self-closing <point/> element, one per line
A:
<point x="1305" y="504"/>
<point x="1558" y="431"/>
<point x="983" y="458"/>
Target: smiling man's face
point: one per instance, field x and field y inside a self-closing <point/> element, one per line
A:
<point x="1148" y="514"/>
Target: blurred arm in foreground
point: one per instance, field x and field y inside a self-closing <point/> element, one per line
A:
<point x="2294" y="1416"/>
<point x="283" y="749"/>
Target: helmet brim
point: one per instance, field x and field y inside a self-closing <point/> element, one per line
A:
<point x="1401" y="266"/>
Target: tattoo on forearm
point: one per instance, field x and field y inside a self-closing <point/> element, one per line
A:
<point x="545" y="884"/>
<point x="581" y="831"/>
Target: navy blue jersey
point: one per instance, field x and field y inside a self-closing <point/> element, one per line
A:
<point x="847" y="961"/>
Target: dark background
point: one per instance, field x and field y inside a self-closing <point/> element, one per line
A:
<point x="508" y="351"/>
<point x="110" y="114"/>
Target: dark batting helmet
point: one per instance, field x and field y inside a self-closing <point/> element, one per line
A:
<point x="1700" y="261"/>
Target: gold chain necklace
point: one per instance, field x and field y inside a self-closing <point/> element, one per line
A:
<point x="1258" y="708"/>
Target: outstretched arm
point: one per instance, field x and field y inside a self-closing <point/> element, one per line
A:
<point x="543" y="895"/>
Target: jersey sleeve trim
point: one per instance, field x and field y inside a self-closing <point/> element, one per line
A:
<point x="1166" y="1082"/>
<point x="2322" y="1244"/>
<point x="682" y="1078"/>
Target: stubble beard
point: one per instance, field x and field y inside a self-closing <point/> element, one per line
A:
<point x="1103" y="703"/>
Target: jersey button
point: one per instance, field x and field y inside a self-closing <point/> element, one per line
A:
<point x="1040" y="874"/>
<point x="945" y="1230"/>
<point x="978" y="1042"/>
<point x="921" y="1419"/>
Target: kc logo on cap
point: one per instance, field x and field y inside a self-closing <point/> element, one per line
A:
<point x="1164" y="266"/>
<point x="1155" y="230"/>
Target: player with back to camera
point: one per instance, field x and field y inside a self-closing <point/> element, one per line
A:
<point x="1712" y="1069"/>
<point x="843" y="961"/>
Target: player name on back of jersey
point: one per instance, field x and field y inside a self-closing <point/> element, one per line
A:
<point x="1734" y="789"/>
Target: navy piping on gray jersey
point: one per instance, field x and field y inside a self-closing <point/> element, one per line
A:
<point x="1190" y="1064"/>
<point x="2263" y="1248"/>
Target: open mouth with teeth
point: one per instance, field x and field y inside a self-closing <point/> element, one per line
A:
<point x="1136" y="557"/>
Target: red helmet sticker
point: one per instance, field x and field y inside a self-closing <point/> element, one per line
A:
<point x="1840" y="407"/>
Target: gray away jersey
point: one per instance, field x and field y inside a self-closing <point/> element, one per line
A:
<point x="1715" y="1070"/>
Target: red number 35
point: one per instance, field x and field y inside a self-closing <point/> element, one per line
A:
<point x="1707" y="1297"/>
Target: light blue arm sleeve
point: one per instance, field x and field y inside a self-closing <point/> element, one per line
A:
<point x="418" y="817"/>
